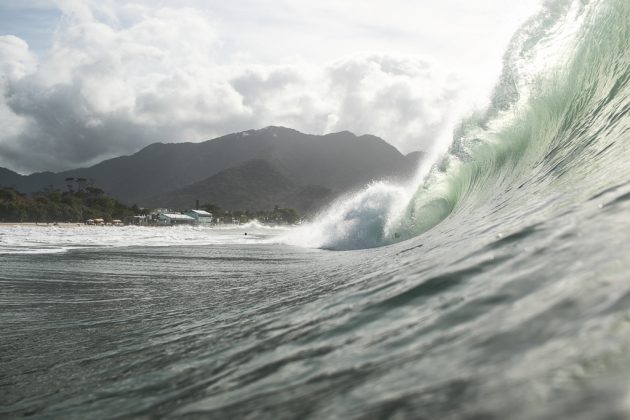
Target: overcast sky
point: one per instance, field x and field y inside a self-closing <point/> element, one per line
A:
<point x="82" y="80"/>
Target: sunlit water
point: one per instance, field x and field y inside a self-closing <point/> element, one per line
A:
<point x="496" y="286"/>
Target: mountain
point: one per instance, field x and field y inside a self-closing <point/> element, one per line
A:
<point x="253" y="185"/>
<point x="9" y="178"/>
<point x="336" y="162"/>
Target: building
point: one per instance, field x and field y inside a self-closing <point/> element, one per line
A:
<point x="201" y="217"/>
<point x="138" y="220"/>
<point x="172" y="219"/>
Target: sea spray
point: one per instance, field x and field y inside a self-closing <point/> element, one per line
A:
<point x="361" y="220"/>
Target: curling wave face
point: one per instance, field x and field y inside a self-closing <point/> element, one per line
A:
<point x="560" y="106"/>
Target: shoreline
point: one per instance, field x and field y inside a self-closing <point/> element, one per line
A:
<point x="18" y="224"/>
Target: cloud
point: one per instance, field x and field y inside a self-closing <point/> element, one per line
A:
<point x="405" y="99"/>
<point x="120" y="77"/>
<point x="16" y="60"/>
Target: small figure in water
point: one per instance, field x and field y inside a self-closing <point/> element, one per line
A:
<point x="245" y="233"/>
<point x="396" y="235"/>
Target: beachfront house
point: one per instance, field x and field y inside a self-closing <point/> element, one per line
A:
<point x="172" y="219"/>
<point x="201" y="217"/>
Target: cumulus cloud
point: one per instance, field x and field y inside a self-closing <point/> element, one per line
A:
<point x="406" y="99"/>
<point x="119" y="78"/>
<point x="16" y="62"/>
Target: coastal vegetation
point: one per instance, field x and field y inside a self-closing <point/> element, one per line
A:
<point x="56" y="206"/>
<point x="91" y="203"/>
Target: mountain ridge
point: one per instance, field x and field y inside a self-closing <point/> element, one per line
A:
<point x="253" y="185"/>
<point x="336" y="162"/>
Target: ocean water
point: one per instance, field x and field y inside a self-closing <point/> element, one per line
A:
<point x="494" y="285"/>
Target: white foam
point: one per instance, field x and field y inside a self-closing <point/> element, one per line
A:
<point x="360" y="220"/>
<point x="30" y="239"/>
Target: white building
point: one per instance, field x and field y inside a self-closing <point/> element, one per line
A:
<point x="170" y="219"/>
<point x="201" y="217"/>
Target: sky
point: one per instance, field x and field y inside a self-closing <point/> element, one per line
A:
<point x="83" y="80"/>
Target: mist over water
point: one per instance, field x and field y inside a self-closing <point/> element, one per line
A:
<point x="494" y="285"/>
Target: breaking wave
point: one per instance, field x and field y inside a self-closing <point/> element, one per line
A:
<point x="557" y="120"/>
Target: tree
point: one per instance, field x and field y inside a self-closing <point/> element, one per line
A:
<point x="94" y="191"/>
<point x="70" y="184"/>
<point x="211" y="208"/>
<point x="56" y="206"/>
<point x="81" y="183"/>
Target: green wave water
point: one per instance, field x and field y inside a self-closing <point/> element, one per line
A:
<point x="575" y="115"/>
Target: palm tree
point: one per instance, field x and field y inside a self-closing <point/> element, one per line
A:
<point x="81" y="182"/>
<point x="70" y="184"/>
